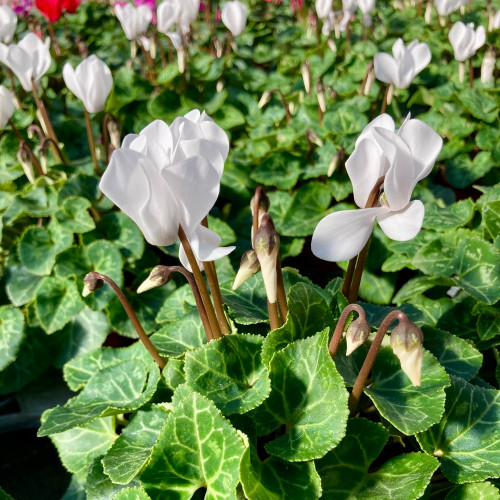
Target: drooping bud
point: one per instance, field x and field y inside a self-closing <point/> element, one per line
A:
<point x="266" y="97"/>
<point x="357" y="333"/>
<point x="91" y="282"/>
<point x="114" y="132"/>
<point x="331" y="45"/>
<point x="369" y="82"/>
<point x="406" y="342"/>
<point x="26" y="161"/>
<point x="320" y="93"/>
<point x="313" y="138"/>
<point x="305" y="69"/>
<point x="160" y="275"/>
<point x="248" y="267"/>
<point x="266" y="243"/>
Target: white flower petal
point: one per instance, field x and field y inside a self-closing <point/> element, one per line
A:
<point x="342" y="235"/>
<point x="385" y="68"/>
<point x="421" y="55"/>
<point x="404" y="224"/>
<point x="382" y="121"/>
<point x="71" y="81"/>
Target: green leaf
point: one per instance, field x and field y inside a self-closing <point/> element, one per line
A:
<point x="477" y="491"/>
<point x="223" y="229"/>
<point x="230" y="372"/>
<point x="344" y="120"/>
<point x="79" y="370"/>
<point x="196" y="448"/>
<point x="480" y="104"/>
<point x="417" y="286"/>
<point x="280" y="169"/>
<point x="491" y="217"/>
<point x="79" y="447"/>
<point x="477" y="267"/>
<point x="467" y="440"/>
<point x="57" y="301"/>
<point x="20" y="284"/>
<point x="173" y="373"/>
<point x="345" y="471"/>
<point x="185" y="334"/>
<point x="179" y="303"/>
<point x="457" y="356"/>
<point x="73" y="215"/>
<point x="461" y="171"/>
<point x="308" y="399"/>
<point x="37" y="252"/>
<point x="276" y="479"/>
<point x="11" y="334"/>
<point x="450" y="217"/>
<point x="436" y="257"/>
<point x="298" y="215"/>
<point x="410" y="409"/>
<point x="100" y="487"/>
<point x="116" y="389"/>
<point x="308" y="314"/>
<point x="126" y="236"/>
<point x="132" y="450"/>
<point x="377" y="289"/>
<point x="132" y="494"/>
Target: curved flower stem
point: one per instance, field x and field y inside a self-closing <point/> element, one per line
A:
<point x="34" y="159"/>
<point x="339" y="329"/>
<point x="197" y="297"/>
<point x="357" y="264"/>
<point x="359" y="384"/>
<point x="105" y="136"/>
<point x="213" y="283"/>
<point x="55" y="148"/>
<point x="273" y="315"/>
<point x="90" y="137"/>
<point x="288" y="115"/>
<point x="369" y="69"/>
<point x="133" y="318"/>
<point x="43" y="112"/>
<point x="201" y="284"/>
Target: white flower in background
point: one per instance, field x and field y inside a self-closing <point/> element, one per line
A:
<point x="488" y="66"/>
<point x="28" y="59"/>
<point x="134" y="20"/>
<point x="8" y="23"/>
<point x="234" y="16"/>
<point x="348" y="9"/>
<point x="6" y="106"/>
<point x="494" y="21"/>
<point x="366" y="7"/>
<point x="446" y="7"/>
<point x="167" y="14"/>
<point x="189" y="12"/>
<point x="91" y="82"/>
<point x="408" y="61"/>
<point x="323" y="8"/>
<point x="168" y="176"/>
<point x="404" y="157"/>
<point x="465" y="40"/>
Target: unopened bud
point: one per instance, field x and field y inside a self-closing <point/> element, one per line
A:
<point x="305" y="69"/>
<point x="331" y="45"/>
<point x="266" y="243"/>
<point x="488" y="66"/>
<point x="249" y="266"/>
<point x="181" y="59"/>
<point x="24" y="158"/>
<point x="264" y="203"/>
<point x="114" y="133"/>
<point x="313" y="138"/>
<point x="320" y="93"/>
<point x="160" y="275"/>
<point x="406" y="342"/>
<point x="428" y="12"/>
<point x="91" y="283"/>
<point x="266" y="97"/>
<point x="357" y="333"/>
<point x="369" y="82"/>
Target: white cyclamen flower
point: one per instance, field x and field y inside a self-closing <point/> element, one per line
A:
<point x="408" y="61"/>
<point x="234" y="17"/>
<point x="323" y="8"/>
<point x="366" y="6"/>
<point x="134" y="20"/>
<point x="8" y="23"/>
<point x="446" y="7"/>
<point x="30" y="58"/>
<point x="168" y="14"/>
<point x="168" y="176"/>
<point x="189" y="12"/>
<point x="465" y="41"/>
<point x="488" y="66"/>
<point x="91" y="82"/>
<point x="403" y="157"/>
<point x="6" y="106"/>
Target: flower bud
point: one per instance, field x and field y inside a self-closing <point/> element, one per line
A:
<point x="357" y="333"/>
<point x="24" y="158"/>
<point x="160" y="275"/>
<point x="488" y="65"/>
<point x="91" y="283"/>
<point x="320" y="93"/>
<point x="248" y="267"/>
<point x="266" y="97"/>
<point x="369" y="82"/>
<point x="264" y="203"/>
<point x="305" y="69"/>
<point x="313" y="138"/>
<point x="266" y="243"/>
<point x="114" y="133"/>
<point x="406" y="342"/>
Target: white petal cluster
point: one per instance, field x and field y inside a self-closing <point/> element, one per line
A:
<point x="91" y="82"/>
<point x="446" y="7"/>
<point x="6" y="106"/>
<point x="465" y="40"/>
<point x="28" y="59"/>
<point x="405" y="63"/>
<point x="404" y="157"/>
<point x="234" y="17"/>
<point x="8" y="23"/>
<point x="180" y="12"/>
<point x="168" y="176"/>
<point x="134" y="20"/>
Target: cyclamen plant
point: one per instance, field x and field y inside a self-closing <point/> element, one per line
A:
<point x="369" y="373"/>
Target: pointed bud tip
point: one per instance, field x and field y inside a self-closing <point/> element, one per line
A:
<point x="357" y="333"/>
<point x="86" y="291"/>
<point x="406" y="343"/>
<point x="160" y="275"/>
<point x="249" y="266"/>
